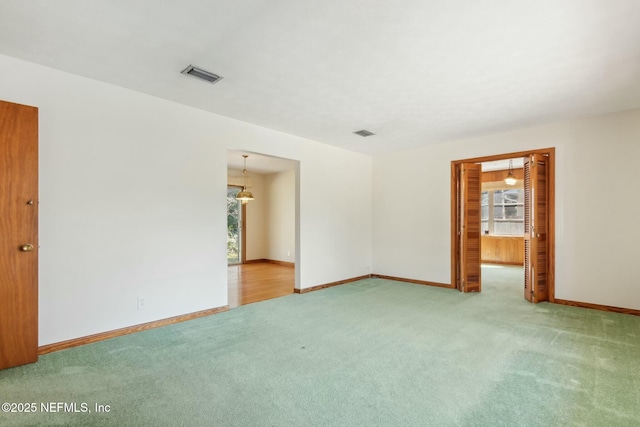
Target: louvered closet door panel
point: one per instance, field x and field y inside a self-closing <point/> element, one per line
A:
<point x="540" y="229"/>
<point x="471" y="184"/>
<point x="528" y="294"/>
<point x="536" y="287"/>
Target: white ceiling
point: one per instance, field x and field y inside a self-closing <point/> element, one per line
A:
<point x="258" y="163"/>
<point x="414" y="72"/>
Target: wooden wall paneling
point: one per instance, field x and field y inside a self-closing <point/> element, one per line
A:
<point x="503" y="249"/>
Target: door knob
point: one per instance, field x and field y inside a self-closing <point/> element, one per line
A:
<point x="27" y="248"/>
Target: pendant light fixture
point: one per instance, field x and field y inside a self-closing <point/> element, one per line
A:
<point x="244" y="196"/>
<point x="511" y="178"/>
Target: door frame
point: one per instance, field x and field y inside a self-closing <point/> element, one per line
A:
<point x="242" y="229"/>
<point x="547" y="152"/>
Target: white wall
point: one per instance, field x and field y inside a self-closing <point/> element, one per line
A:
<point x="271" y="217"/>
<point x="596" y="245"/>
<point x="281" y="215"/>
<point x="132" y="202"/>
<point x="256" y="227"/>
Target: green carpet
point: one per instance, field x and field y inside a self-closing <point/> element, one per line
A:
<point x="368" y="353"/>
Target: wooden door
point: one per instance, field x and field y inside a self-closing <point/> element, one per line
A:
<point x="469" y="189"/>
<point x="536" y="226"/>
<point x="18" y="234"/>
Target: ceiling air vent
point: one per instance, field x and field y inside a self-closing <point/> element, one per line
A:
<point x="364" y="132"/>
<point x="202" y="74"/>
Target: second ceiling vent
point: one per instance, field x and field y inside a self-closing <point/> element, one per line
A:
<point x="364" y="132"/>
<point x="202" y="74"/>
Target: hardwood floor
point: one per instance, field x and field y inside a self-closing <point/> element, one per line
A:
<point x="258" y="282"/>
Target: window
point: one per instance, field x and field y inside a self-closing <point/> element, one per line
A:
<point x="502" y="212"/>
<point x="234" y="228"/>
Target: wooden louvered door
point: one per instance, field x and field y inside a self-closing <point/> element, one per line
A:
<point x="536" y="225"/>
<point x="470" y="185"/>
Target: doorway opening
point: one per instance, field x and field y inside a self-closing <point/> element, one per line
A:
<point x="263" y="234"/>
<point x="502" y="228"/>
<point x="494" y="221"/>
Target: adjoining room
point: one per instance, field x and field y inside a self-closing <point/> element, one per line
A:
<point x="261" y="229"/>
<point x="502" y="226"/>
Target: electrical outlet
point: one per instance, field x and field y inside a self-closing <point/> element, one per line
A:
<point x="288" y="253"/>
<point x="141" y="303"/>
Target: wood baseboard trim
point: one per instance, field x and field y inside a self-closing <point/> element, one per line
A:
<point x="417" y="282"/>
<point x="271" y="261"/>
<point x="329" y="285"/>
<point x="631" y="311"/>
<point x="256" y="261"/>
<point x="283" y="263"/>
<point x="63" y="345"/>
